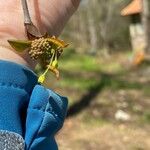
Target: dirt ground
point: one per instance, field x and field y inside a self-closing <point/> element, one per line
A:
<point x="96" y="91"/>
<point x="77" y="136"/>
<point x="95" y="127"/>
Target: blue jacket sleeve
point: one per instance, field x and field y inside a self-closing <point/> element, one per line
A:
<point x="29" y="109"/>
<point x="45" y="116"/>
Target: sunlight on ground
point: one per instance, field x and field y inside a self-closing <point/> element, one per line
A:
<point x="97" y="89"/>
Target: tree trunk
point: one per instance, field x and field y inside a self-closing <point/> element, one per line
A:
<point x="146" y="23"/>
<point x="92" y="27"/>
<point x="92" y="33"/>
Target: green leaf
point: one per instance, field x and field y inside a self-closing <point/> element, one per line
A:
<point x="19" y="45"/>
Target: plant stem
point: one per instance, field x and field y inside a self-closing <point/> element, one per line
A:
<point x="27" y="18"/>
<point x="50" y="64"/>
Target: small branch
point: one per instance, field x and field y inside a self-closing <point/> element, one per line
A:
<point x="27" y="18"/>
<point x="31" y="29"/>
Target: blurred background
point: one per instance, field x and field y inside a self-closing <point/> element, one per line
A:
<point x="105" y="73"/>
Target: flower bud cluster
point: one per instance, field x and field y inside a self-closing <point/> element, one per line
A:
<point x="39" y="47"/>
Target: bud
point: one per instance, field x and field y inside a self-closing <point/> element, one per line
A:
<point x="39" y="47"/>
<point x="55" y="64"/>
<point x="41" y="78"/>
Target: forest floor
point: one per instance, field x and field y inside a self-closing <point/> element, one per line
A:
<point x="98" y="89"/>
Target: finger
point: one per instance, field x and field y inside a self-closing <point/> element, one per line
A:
<point x="52" y="15"/>
<point x="48" y="15"/>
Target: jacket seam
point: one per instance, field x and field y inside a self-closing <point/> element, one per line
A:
<point x="12" y="85"/>
<point x="35" y="135"/>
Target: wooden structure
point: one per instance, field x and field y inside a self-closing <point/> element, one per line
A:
<point x="134" y="11"/>
<point x="138" y="38"/>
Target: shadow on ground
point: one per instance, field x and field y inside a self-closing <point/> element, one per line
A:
<point x="106" y="80"/>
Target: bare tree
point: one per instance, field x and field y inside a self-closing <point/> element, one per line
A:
<point x="92" y="27"/>
<point x="98" y="25"/>
<point x="146" y="23"/>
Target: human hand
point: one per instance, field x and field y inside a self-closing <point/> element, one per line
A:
<point x="48" y="15"/>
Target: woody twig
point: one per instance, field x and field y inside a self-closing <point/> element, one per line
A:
<point x="31" y="29"/>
